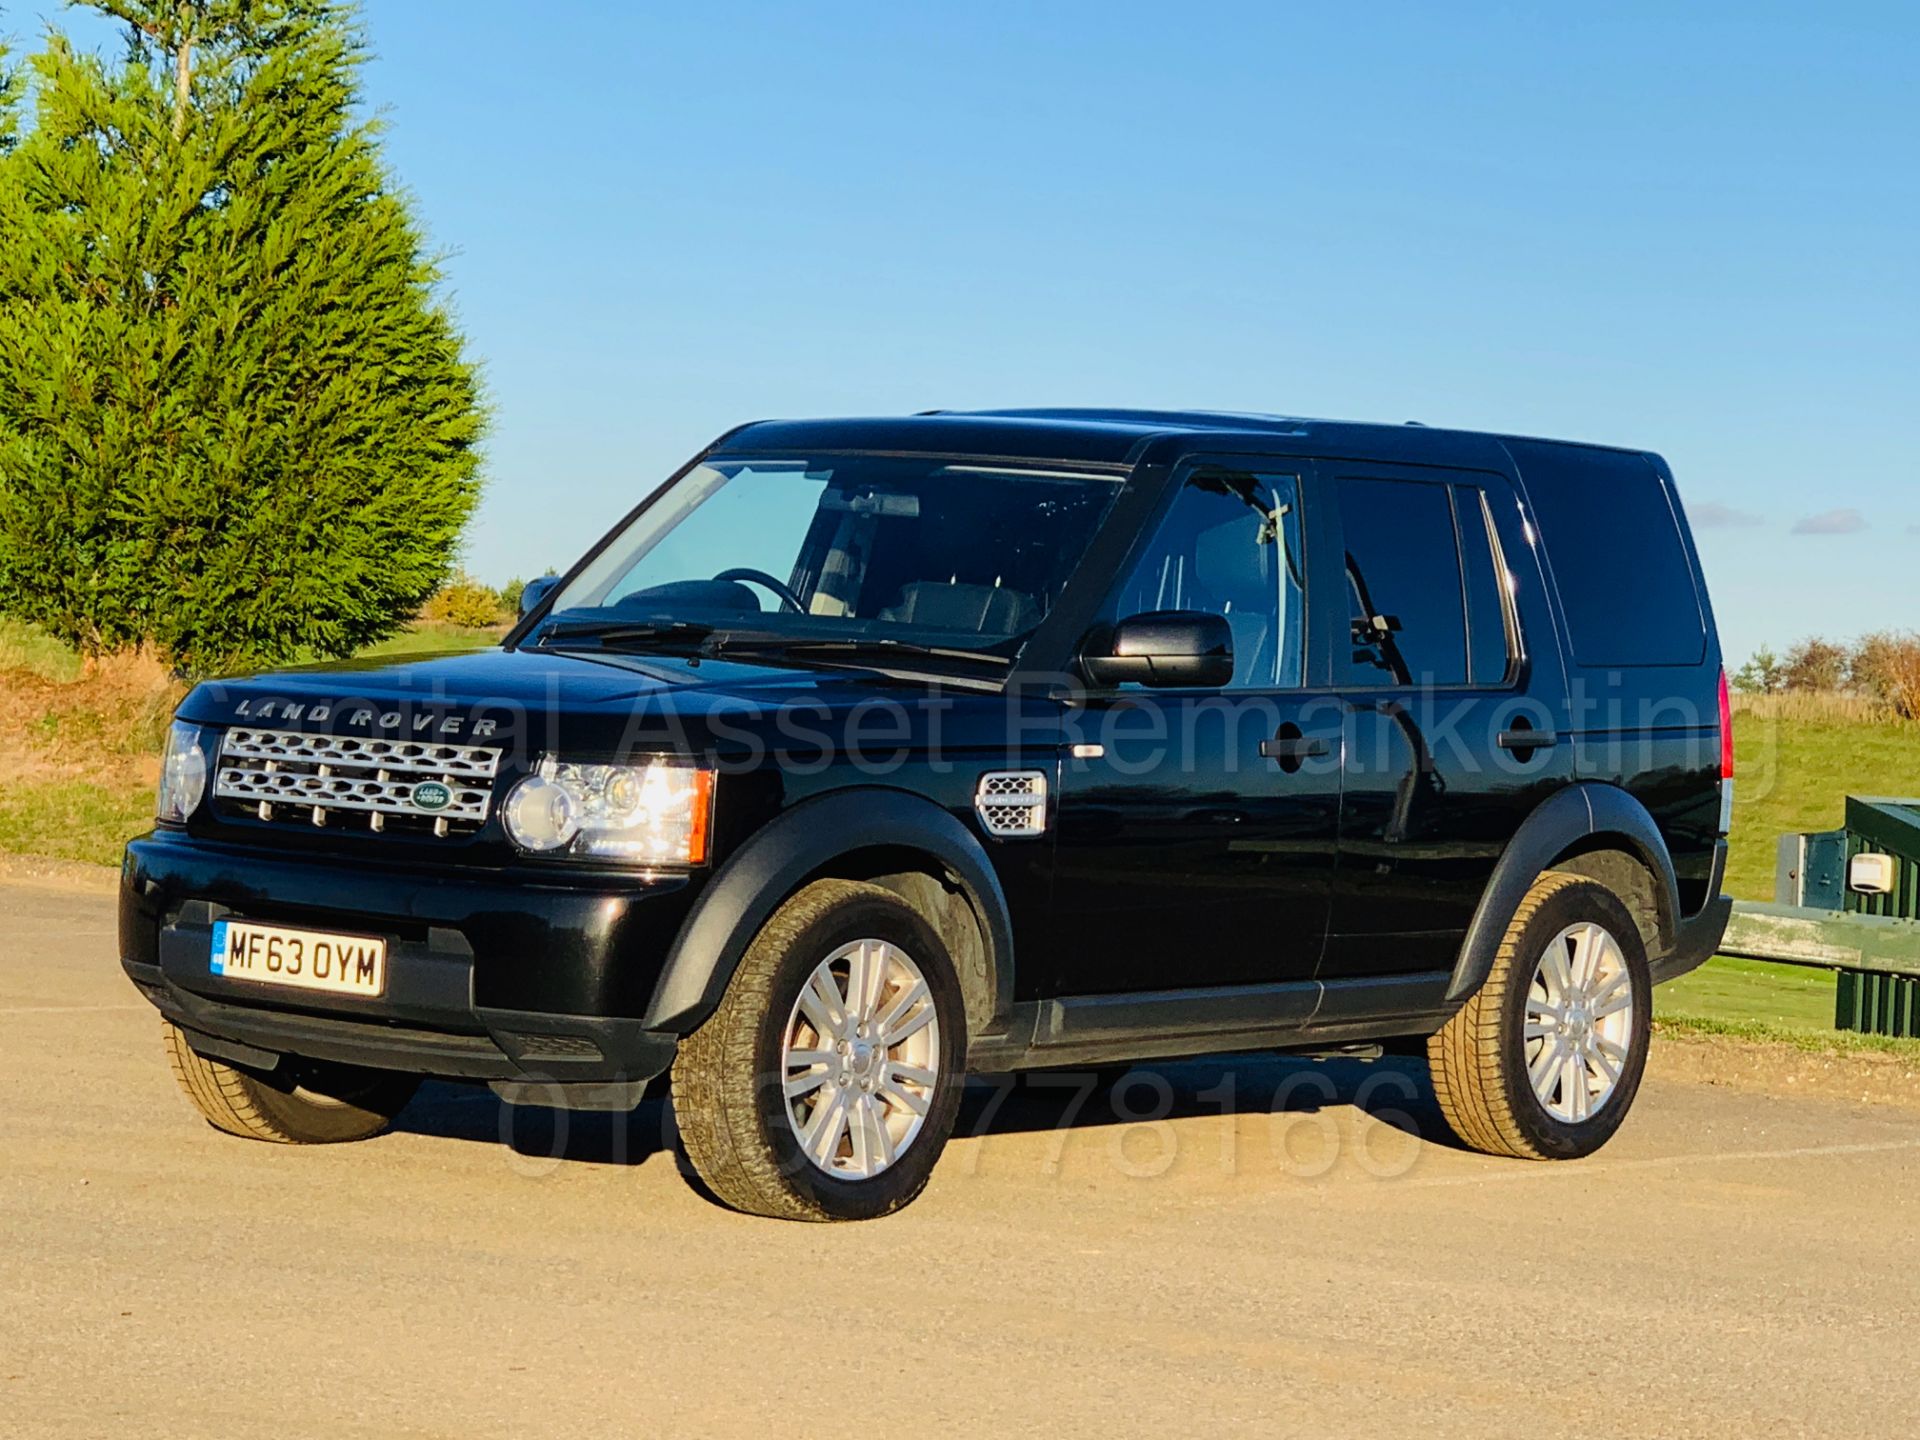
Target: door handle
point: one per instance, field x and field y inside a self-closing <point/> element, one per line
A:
<point x="1292" y="747"/>
<point x="1520" y="738"/>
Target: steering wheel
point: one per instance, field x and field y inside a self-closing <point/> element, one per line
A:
<point x="788" y="600"/>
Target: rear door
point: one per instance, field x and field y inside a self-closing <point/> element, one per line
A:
<point x="1451" y="732"/>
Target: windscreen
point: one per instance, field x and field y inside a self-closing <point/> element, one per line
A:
<point x="927" y="549"/>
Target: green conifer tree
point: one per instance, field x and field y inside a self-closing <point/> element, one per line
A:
<point x="235" y="423"/>
<point x="9" y="100"/>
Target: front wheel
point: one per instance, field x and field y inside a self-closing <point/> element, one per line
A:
<point x="301" y="1103"/>
<point x="1544" y="1061"/>
<point x="826" y="1083"/>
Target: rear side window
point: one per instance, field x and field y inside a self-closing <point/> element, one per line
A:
<point x="1613" y="543"/>
<point x="1491" y="642"/>
<point x="1408" y="620"/>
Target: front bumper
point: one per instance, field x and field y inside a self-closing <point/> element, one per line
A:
<point x="524" y="1047"/>
<point x="491" y="975"/>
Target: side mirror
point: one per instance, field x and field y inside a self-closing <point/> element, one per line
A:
<point x="1162" y="648"/>
<point x="537" y="590"/>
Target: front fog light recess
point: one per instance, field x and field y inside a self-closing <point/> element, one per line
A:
<point x="654" y="814"/>
<point x="183" y="773"/>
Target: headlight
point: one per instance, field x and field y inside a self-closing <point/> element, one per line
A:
<point x="183" y="773"/>
<point x="655" y="814"/>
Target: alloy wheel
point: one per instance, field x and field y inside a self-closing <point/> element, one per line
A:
<point x="1579" y="1022"/>
<point x="859" y="1059"/>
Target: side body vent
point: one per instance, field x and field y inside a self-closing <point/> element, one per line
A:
<point x="1012" y="804"/>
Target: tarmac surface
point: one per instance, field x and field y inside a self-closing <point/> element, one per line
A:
<point x="1273" y="1251"/>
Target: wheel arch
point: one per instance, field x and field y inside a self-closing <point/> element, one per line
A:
<point x="892" y="838"/>
<point x="1589" y="829"/>
<point x="1614" y="861"/>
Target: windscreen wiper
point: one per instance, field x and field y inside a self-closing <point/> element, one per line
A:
<point x="709" y="640"/>
<point x="622" y="632"/>
<point x="872" y="646"/>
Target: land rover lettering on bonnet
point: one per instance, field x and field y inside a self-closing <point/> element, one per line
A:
<point x="395" y="723"/>
<point x="868" y="755"/>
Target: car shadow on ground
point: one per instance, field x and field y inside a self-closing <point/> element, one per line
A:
<point x="1394" y="1090"/>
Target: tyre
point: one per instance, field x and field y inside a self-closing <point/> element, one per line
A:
<point x="1544" y="1061"/>
<point x="304" y="1102"/>
<point x="826" y="1083"/>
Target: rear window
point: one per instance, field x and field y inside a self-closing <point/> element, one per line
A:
<point x="1613" y="543"/>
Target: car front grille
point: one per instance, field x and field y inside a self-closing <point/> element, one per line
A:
<point x="370" y="785"/>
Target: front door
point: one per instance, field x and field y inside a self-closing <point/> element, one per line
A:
<point x="1197" y="828"/>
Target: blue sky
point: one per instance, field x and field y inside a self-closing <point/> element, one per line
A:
<point x="1695" y="229"/>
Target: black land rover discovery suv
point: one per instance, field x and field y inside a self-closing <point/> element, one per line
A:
<point x="865" y="754"/>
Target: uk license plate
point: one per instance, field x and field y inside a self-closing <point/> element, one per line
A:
<point x="300" y="959"/>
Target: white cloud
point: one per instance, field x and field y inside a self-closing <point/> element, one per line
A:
<point x="1715" y="516"/>
<point x="1846" y="521"/>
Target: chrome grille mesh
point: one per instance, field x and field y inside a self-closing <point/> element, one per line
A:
<point x="1012" y="803"/>
<point x="412" y="756"/>
<point x="320" y="779"/>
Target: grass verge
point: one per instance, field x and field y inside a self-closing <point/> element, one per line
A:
<point x="85" y="739"/>
<point x="1791" y="997"/>
<point x="1813" y="1042"/>
<point x="72" y="819"/>
<point x="425" y="639"/>
<point x="1794" y="774"/>
<point x="22" y="647"/>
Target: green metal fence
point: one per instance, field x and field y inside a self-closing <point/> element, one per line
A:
<point x="1879" y="1003"/>
<point x="1886" y="827"/>
<point x="1822" y="917"/>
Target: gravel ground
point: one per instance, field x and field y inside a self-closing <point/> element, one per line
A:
<point x="1282" y="1253"/>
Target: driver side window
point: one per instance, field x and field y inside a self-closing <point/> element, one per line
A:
<point x="1231" y="546"/>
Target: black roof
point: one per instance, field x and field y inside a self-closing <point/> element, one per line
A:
<point x="1114" y="437"/>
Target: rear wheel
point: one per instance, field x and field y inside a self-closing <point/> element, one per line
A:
<point x="303" y="1102"/>
<point x="1544" y="1061"/>
<point x="825" y="1085"/>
